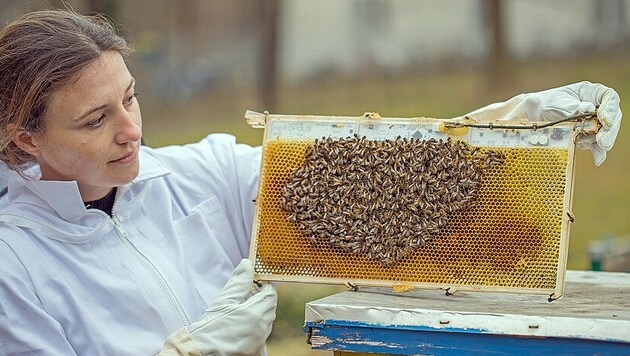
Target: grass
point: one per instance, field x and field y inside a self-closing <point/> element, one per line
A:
<point x="601" y="194"/>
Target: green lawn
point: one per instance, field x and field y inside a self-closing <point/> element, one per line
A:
<point x="601" y="195"/>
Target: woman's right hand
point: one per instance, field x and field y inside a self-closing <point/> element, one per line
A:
<point x="238" y="323"/>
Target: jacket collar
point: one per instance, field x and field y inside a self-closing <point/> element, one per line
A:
<point x="63" y="196"/>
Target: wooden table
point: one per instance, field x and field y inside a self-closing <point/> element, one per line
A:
<point x="593" y="317"/>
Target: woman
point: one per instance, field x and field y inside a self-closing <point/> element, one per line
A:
<point x="108" y="247"/>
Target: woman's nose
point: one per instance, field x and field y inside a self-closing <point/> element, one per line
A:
<point x="129" y="128"/>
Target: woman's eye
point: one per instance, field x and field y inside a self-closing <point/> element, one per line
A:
<point x="97" y="122"/>
<point x="130" y="99"/>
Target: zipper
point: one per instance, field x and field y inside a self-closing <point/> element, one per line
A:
<point x="156" y="273"/>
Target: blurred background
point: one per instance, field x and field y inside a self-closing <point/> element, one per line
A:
<point x="200" y="64"/>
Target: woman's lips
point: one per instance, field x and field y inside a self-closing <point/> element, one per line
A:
<point x="128" y="158"/>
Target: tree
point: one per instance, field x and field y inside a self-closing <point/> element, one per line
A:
<point x="498" y="56"/>
<point x="267" y="78"/>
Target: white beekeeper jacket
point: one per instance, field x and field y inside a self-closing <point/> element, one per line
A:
<point x="75" y="281"/>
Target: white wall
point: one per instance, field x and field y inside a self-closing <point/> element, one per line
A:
<point x="317" y="36"/>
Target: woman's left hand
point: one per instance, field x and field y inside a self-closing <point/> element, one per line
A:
<point x="560" y="103"/>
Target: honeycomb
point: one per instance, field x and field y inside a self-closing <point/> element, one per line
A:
<point x="510" y="239"/>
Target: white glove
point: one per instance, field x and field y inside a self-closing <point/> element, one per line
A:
<point x="560" y="103"/>
<point x="238" y="323"/>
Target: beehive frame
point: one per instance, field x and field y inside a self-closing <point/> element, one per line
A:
<point x="515" y="240"/>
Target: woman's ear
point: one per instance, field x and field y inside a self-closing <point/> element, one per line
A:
<point x="27" y="142"/>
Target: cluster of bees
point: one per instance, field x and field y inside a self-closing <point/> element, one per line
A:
<point x="383" y="199"/>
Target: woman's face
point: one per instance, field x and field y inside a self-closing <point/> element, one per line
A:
<point x="92" y="129"/>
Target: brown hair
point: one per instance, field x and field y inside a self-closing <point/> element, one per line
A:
<point x="39" y="53"/>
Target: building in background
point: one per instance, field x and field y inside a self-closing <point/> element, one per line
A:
<point x="328" y="35"/>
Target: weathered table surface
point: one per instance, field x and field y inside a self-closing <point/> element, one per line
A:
<point x="593" y="316"/>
